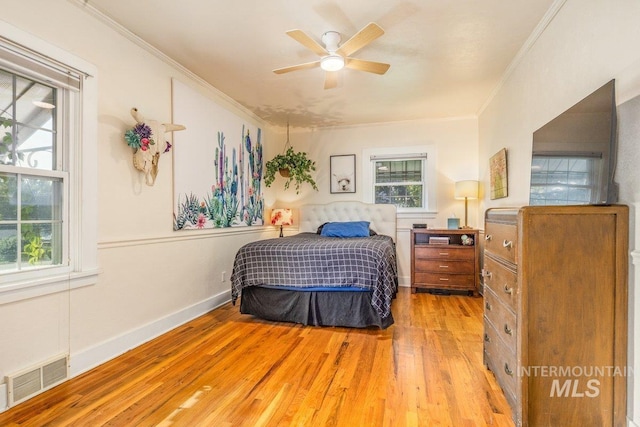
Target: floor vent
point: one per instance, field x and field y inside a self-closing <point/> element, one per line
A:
<point x="32" y="381"/>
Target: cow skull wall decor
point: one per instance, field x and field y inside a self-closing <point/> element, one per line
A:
<point x="147" y="138"/>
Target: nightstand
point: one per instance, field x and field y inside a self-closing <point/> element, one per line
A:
<point x="440" y="261"/>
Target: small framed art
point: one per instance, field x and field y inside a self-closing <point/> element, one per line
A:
<point x="343" y="173"/>
<point x="498" y="170"/>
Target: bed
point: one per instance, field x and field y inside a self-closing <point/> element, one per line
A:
<point x="313" y="279"/>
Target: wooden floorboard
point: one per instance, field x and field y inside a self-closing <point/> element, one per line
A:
<point x="228" y="369"/>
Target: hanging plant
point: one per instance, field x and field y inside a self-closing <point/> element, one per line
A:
<point x="292" y="165"/>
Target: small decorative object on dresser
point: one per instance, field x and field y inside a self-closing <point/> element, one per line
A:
<point x="555" y="312"/>
<point x="453" y="223"/>
<point x="441" y="260"/>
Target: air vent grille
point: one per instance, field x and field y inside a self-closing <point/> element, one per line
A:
<point x="35" y="380"/>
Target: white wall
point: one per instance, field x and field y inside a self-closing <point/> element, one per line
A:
<point x="152" y="278"/>
<point x="588" y="43"/>
<point x="455" y="142"/>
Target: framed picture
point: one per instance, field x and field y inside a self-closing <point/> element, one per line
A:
<point x="498" y="170"/>
<point x="343" y="173"/>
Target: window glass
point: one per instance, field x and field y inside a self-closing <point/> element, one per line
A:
<point x="29" y="139"/>
<point x="8" y="247"/>
<point x="8" y="197"/>
<point x="32" y="205"/>
<point x="399" y="182"/>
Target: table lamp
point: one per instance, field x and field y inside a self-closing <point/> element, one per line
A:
<point x="466" y="190"/>
<point x="282" y="216"/>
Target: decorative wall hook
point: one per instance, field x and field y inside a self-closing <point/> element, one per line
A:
<point x="147" y="138"/>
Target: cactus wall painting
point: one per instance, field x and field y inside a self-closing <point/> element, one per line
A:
<point x="218" y="171"/>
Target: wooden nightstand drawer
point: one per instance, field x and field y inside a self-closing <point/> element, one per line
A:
<point x="444" y="252"/>
<point x="446" y="280"/>
<point x="444" y="266"/>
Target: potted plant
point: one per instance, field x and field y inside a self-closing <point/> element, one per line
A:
<point x="292" y="165"/>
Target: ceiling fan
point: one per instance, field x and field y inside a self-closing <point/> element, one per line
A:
<point x="335" y="57"/>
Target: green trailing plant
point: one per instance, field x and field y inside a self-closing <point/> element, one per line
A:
<point x="293" y="166"/>
<point x="35" y="250"/>
<point x="297" y="164"/>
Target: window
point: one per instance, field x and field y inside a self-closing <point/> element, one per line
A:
<point x="562" y="180"/>
<point x="399" y="182"/>
<point x="48" y="178"/>
<point x="403" y="176"/>
<point x="32" y="175"/>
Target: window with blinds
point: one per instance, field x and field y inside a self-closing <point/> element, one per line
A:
<point x="400" y="180"/>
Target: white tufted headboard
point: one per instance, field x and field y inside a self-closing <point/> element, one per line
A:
<point x="381" y="216"/>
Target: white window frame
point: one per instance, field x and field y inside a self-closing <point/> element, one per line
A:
<point x="81" y="164"/>
<point x="430" y="176"/>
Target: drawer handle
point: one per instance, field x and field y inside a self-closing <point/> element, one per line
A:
<point x="487" y="338"/>
<point x="487" y="306"/>
<point x="507" y="244"/>
<point x="443" y="266"/>
<point x="507" y="370"/>
<point x="508" y="290"/>
<point x="443" y="279"/>
<point x="488" y="237"/>
<point x="507" y="330"/>
<point x="488" y="274"/>
<point x="443" y="253"/>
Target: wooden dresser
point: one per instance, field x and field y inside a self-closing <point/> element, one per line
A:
<point x="555" y="315"/>
<point x="448" y="266"/>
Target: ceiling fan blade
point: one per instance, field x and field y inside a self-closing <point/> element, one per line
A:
<point x="368" y="66"/>
<point x="302" y="38"/>
<point x="304" y="66"/>
<point x="330" y="79"/>
<point x="362" y="38"/>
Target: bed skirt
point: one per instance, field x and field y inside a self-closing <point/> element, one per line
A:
<point x="320" y="308"/>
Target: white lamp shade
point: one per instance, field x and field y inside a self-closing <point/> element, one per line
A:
<point x="468" y="189"/>
<point x="281" y="217"/>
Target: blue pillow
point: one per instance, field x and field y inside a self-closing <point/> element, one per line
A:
<point x="346" y="229"/>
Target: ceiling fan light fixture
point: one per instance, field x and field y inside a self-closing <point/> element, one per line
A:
<point x="332" y="62"/>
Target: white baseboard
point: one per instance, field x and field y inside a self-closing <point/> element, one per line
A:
<point x="404" y="281"/>
<point x="90" y="358"/>
<point x="630" y="423"/>
<point x="3" y="398"/>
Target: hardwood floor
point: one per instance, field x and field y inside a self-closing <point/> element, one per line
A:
<point x="228" y="369"/>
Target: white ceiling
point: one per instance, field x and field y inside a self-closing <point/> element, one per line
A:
<point x="446" y="56"/>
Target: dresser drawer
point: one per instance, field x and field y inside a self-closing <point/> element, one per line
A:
<point x="502" y="319"/>
<point x="445" y="266"/>
<point x="462" y="281"/>
<point x="501" y="361"/>
<point x="444" y="252"/>
<point x="501" y="240"/>
<point x="502" y="281"/>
